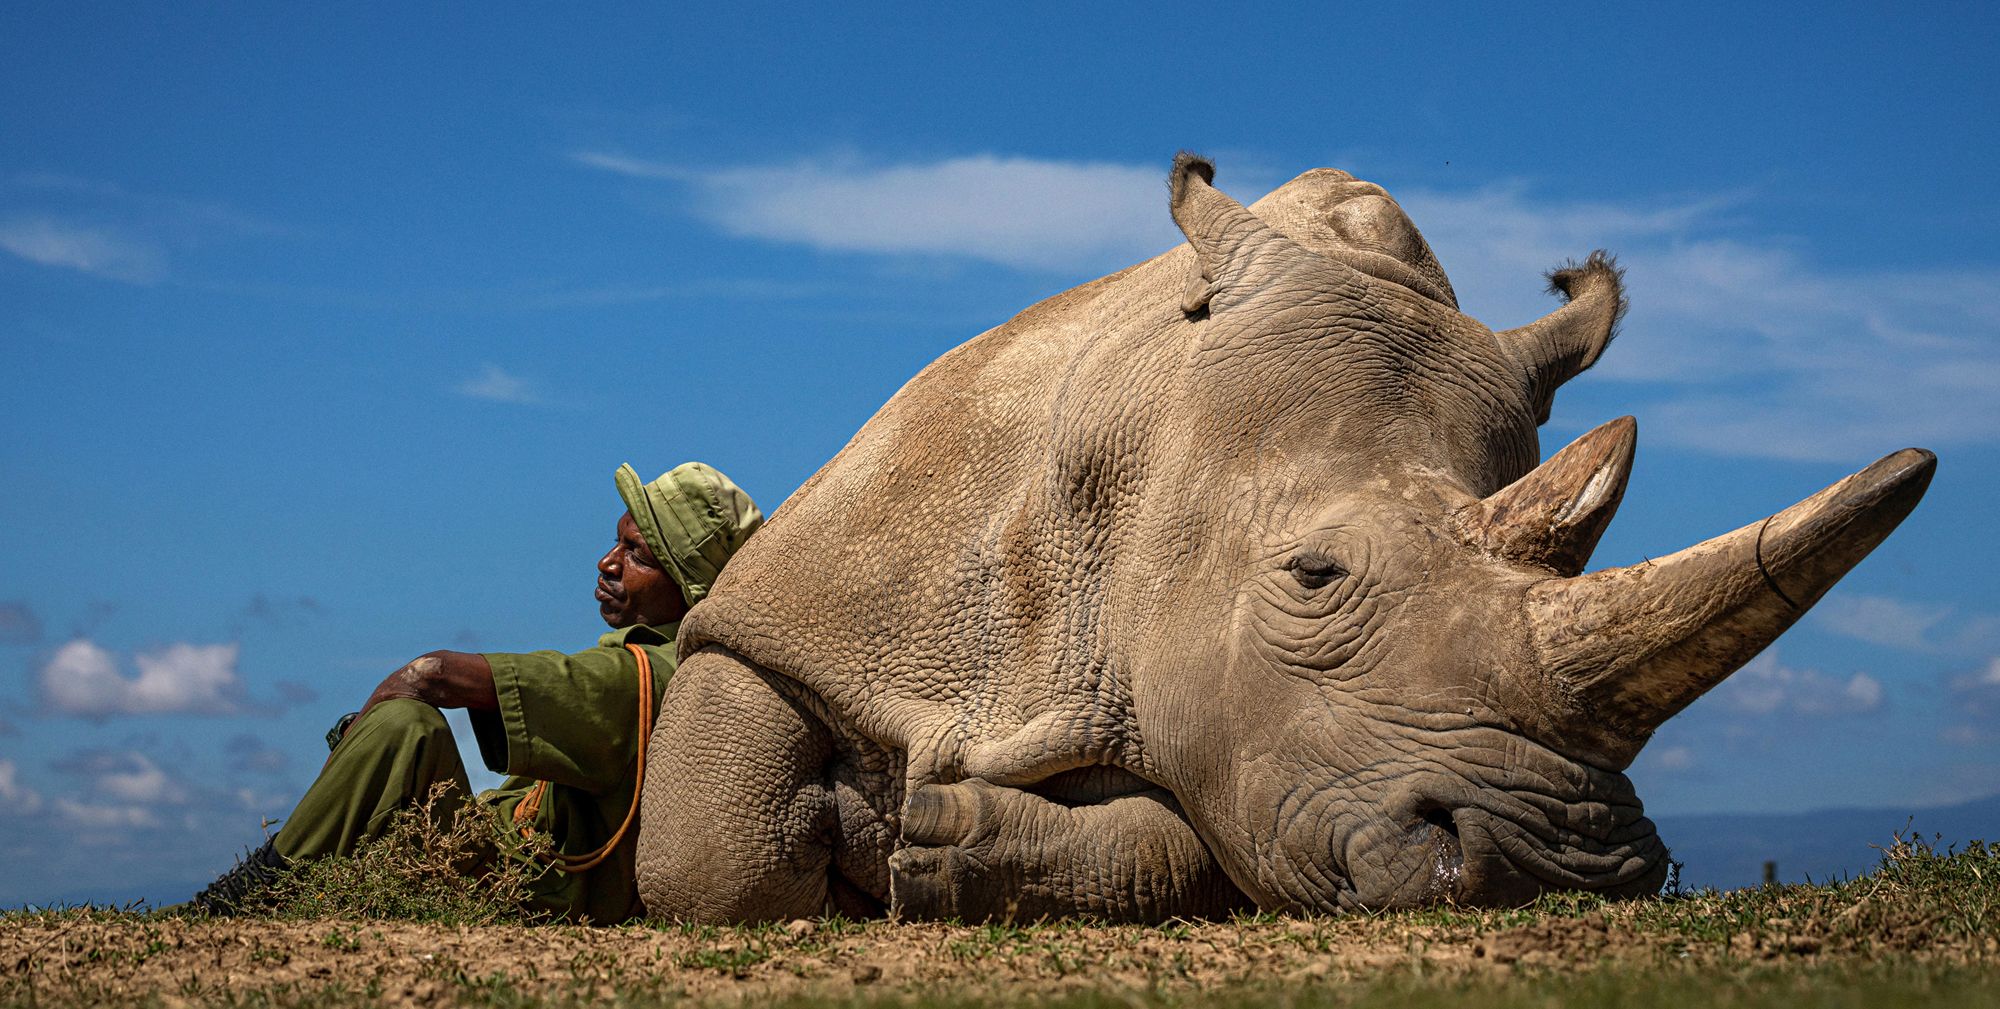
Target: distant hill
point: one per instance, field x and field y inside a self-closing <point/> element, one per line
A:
<point x="1729" y="850"/>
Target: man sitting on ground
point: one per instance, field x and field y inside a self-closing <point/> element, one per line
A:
<point x="566" y="727"/>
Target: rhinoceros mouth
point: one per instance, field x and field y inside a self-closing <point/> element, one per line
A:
<point x="1450" y="839"/>
<point x="1514" y="860"/>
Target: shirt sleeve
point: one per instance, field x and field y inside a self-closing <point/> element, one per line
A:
<point x="569" y="719"/>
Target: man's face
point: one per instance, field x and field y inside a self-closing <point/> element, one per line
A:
<point x="632" y="587"/>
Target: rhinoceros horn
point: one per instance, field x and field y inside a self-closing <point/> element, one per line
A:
<point x="1555" y="348"/>
<point x="1554" y="516"/>
<point x="1632" y="646"/>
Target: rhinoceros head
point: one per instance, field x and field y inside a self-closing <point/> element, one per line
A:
<point x="1361" y="646"/>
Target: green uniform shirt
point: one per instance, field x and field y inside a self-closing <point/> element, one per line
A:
<point x="572" y="720"/>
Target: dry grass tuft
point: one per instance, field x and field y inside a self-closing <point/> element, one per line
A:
<point x="437" y="863"/>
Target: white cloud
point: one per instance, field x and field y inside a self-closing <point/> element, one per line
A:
<point x="1963" y="735"/>
<point x="1990" y="677"/>
<point x="1673" y="758"/>
<point x="1767" y="686"/>
<point x="137" y="779"/>
<point x="1748" y="348"/>
<point x="1737" y="344"/>
<point x="104" y="816"/>
<point x="633" y="167"/>
<point x="1881" y="620"/>
<point x="106" y="230"/>
<point x="1019" y="212"/>
<point x="1977" y="694"/>
<point x="83" y="679"/>
<point x="19" y="798"/>
<point x="104" y="252"/>
<point x="497" y="385"/>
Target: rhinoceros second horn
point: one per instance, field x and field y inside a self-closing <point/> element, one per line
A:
<point x="1554" y="516"/>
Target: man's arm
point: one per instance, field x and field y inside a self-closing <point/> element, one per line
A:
<point x="442" y="680"/>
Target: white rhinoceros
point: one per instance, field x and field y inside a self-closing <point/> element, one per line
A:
<point x="1226" y="579"/>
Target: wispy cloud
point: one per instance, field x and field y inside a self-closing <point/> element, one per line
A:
<point x="1766" y="686"/>
<point x="1932" y="628"/>
<point x="107" y="230"/>
<point x="252" y="754"/>
<point x="1975" y="706"/>
<point x="631" y="167"/>
<point x="95" y="250"/>
<point x="704" y="289"/>
<point x="1740" y="345"/>
<point x="20" y="799"/>
<point x="19" y="625"/>
<point x="121" y="790"/>
<point x="83" y="679"/>
<point x="1669" y="758"/>
<point x="280" y="611"/>
<point x="1978" y="692"/>
<point x="494" y="383"/>
<point x="117" y="816"/>
<point x="1881" y="620"/>
<point x="104" y="816"/>
<point x="1020" y="212"/>
<point x="125" y="776"/>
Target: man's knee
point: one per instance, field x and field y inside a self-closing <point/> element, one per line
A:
<point x="398" y="723"/>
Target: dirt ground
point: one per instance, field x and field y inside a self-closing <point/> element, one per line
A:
<point x="99" y="958"/>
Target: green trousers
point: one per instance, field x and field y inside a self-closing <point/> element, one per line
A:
<point x="388" y="761"/>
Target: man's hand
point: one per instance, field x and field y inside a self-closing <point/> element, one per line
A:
<point x="441" y="680"/>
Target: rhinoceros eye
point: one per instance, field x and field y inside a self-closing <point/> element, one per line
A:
<point x="1315" y="572"/>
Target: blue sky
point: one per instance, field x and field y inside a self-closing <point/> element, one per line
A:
<point x="322" y="330"/>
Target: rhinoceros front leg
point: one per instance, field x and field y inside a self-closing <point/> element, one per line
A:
<point x="737" y="823"/>
<point x="978" y="851"/>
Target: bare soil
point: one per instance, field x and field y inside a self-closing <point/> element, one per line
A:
<point x="81" y="957"/>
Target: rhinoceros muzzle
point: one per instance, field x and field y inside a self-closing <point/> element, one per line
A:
<point x="1465" y="834"/>
<point x="1509" y="864"/>
<point x="1473" y="857"/>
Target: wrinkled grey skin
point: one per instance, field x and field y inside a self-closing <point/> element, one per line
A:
<point x="1228" y="579"/>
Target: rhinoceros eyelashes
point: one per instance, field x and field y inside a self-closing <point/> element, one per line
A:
<point x="1315" y="572"/>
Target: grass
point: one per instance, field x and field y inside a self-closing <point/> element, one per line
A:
<point x="1922" y="928"/>
<point x="436" y="863"/>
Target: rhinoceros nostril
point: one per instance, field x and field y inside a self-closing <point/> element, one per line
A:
<point x="1447" y="869"/>
<point x="1442" y="820"/>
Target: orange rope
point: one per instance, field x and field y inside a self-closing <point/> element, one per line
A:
<point x="524" y="813"/>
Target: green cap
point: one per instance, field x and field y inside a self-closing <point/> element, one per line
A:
<point x="694" y="518"/>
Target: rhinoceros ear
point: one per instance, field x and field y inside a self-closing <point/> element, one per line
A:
<point x="1554" y="516"/>
<point x="1555" y="348"/>
<point x="1226" y="237"/>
